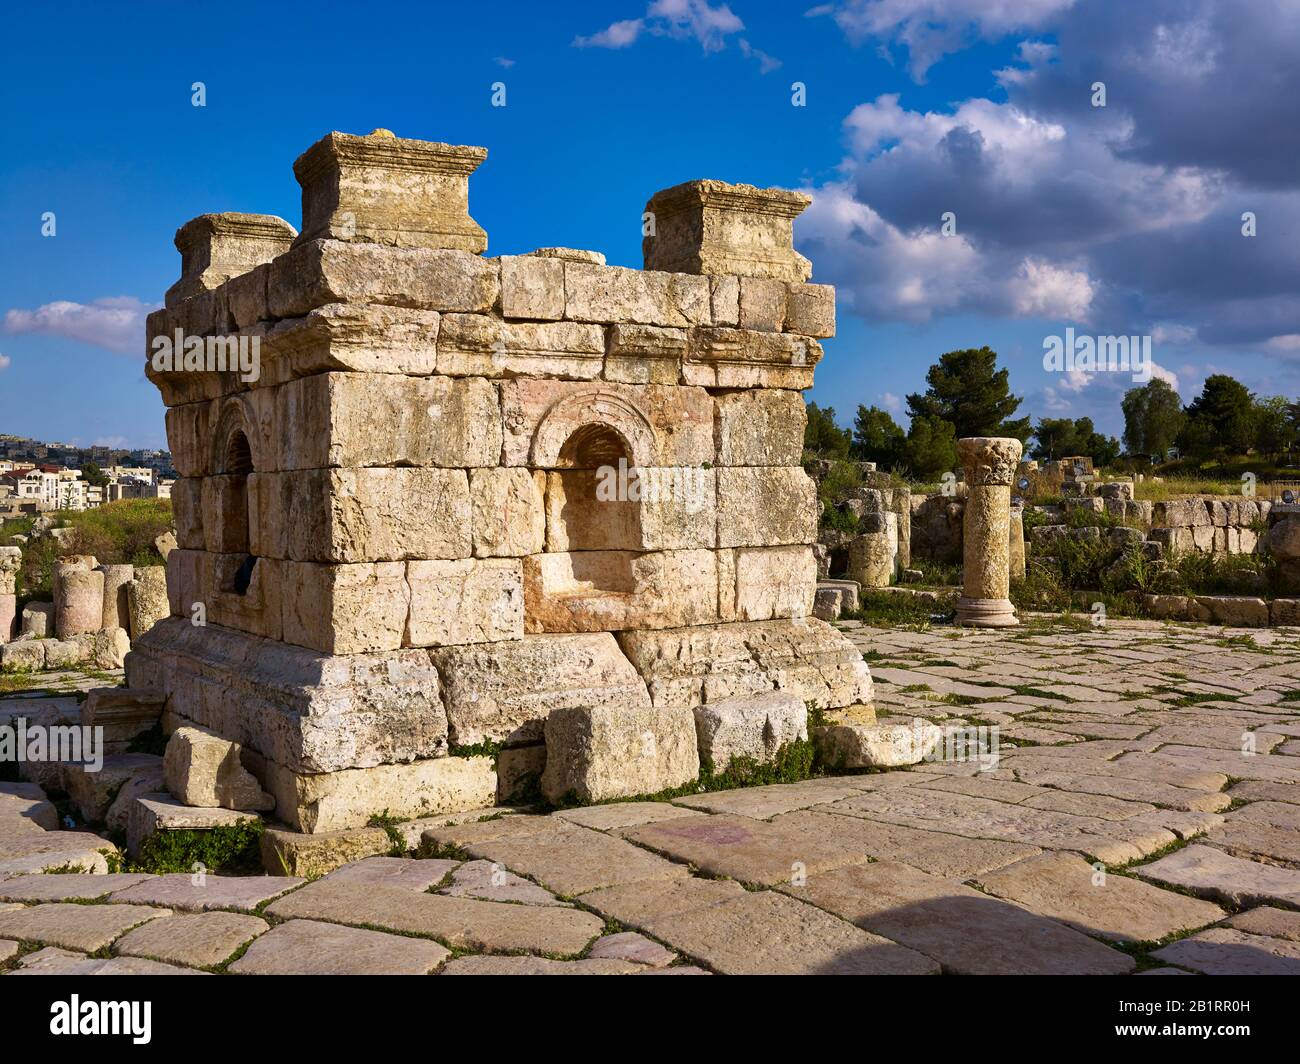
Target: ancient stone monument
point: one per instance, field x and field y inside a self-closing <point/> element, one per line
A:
<point x="989" y="463"/>
<point x="477" y="521"/>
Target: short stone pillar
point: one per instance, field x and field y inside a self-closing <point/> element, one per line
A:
<point x="147" y="598"/>
<point x="714" y="228"/>
<point x="1016" y="543"/>
<point x="11" y="558"/>
<point x="384" y="189"/>
<point x="79" y="603"/>
<point x="216" y="247"/>
<point x="990" y="465"/>
<point x="117" y="611"/>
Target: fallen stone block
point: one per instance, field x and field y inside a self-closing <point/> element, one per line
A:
<point x="595" y="753"/>
<point x="876" y="745"/>
<point x="754" y="727"/>
<point x="204" y="770"/>
<point x="162" y="812"/>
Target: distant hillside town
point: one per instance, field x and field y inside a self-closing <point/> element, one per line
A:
<point x="36" y="476"/>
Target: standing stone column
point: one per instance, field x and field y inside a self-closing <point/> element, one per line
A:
<point x="117" y="611"/>
<point x="79" y="603"/>
<point x="990" y="464"/>
<point x="11" y="558"/>
<point x="1016" y="542"/>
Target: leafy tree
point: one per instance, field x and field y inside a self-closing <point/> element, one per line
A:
<point x="92" y="474"/>
<point x="1224" y="415"/>
<point x="931" y="447"/>
<point x="1153" y="418"/>
<point x="966" y="390"/>
<point x="1063" y="437"/>
<point x="822" y="436"/>
<point x="1275" y="430"/>
<point x="877" y="437"/>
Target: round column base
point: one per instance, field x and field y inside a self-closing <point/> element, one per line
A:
<point x="986" y="613"/>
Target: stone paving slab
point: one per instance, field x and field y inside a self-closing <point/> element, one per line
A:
<point x="8" y="949"/>
<point x="195" y="940"/>
<point x="464" y="923"/>
<point x="1069" y="889"/>
<point x="1269" y="921"/>
<point x="1249" y="839"/>
<point x="405" y="872"/>
<point x="572" y="860"/>
<point x="539" y="966"/>
<point x="623" y="814"/>
<point x="77" y="927"/>
<point x="1273" y="814"/>
<point x="1211" y="873"/>
<point x="749" y="851"/>
<point x="54" y="961"/>
<point x="762" y="803"/>
<point x="629" y="946"/>
<point x="967" y="932"/>
<point x="306" y="947"/>
<point x="489" y="881"/>
<point x="935" y="852"/>
<point x="1255" y="791"/>
<point x="1227" y="951"/>
<point x="182" y="890"/>
<point x="67" y="886"/>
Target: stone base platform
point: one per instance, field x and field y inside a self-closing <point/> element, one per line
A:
<point x="337" y="739"/>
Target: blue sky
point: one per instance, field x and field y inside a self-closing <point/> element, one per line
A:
<point x="1123" y="219"/>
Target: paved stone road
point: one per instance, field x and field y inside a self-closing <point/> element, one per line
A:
<point x="1142" y="815"/>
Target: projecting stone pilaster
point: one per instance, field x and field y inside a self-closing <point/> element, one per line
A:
<point x="381" y="189"/>
<point x="990" y="465"/>
<point x="711" y="227"/>
<point x="217" y="247"/>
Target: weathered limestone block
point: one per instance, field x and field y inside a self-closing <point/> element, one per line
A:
<point x="188" y="439"/>
<point x="319" y="272"/>
<point x="23" y="655"/>
<point x="664" y="426"/>
<point x="202" y="769"/>
<point x="1016" y="543"/>
<point x="606" y="591"/>
<point x="307" y="711"/>
<point x="475" y="600"/>
<point x="724" y="295"/>
<point x="873" y="558"/>
<point x="1284" y="611"/>
<point x="122" y="712"/>
<point x="345" y="609"/>
<point x="109" y="647"/>
<point x="741" y="358"/>
<point x="760" y="428"/>
<point x="766" y="506"/>
<point x="771" y="583"/>
<point x="147" y="598"/>
<point x="810" y="310"/>
<point x="161" y="812"/>
<point x="608" y="294"/>
<point x="762" y="304"/>
<point x="1181" y="513"/>
<point x="336" y="801"/>
<point x="224" y="506"/>
<point x="1173" y="540"/>
<point x="711" y="227"/>
<point x="503" y="691"/>
<point x="678" y="507"/>
<point x="258" y="609"/>
<point x="507" y="512"/>
<point x="79" y="603"/>
<point x="8" y="615"/>
<point x="477" y="345"/>
<point x="644" y="354"/>
<point x="594" y="753"/>
<point x="370" y="514"/>
<point x="69" y="653"/>
<point x="38" y="620"/>
<point x="692" y="666"/>
<point x="389" y="190"/>
<point x="187" y="512"/>
<point x="754" y="727"/>
<point x="217" y="247"/>
<point x="1175" y="608"/>
<point x="532" y="287"/>
<point x="357" y="419"/>
<point x="11" y="559"/>
<point x="1238" y="611"/>
<point x="876" y="745"/>
<point x="990" y="465"/>
<point x="367" y="338"/>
